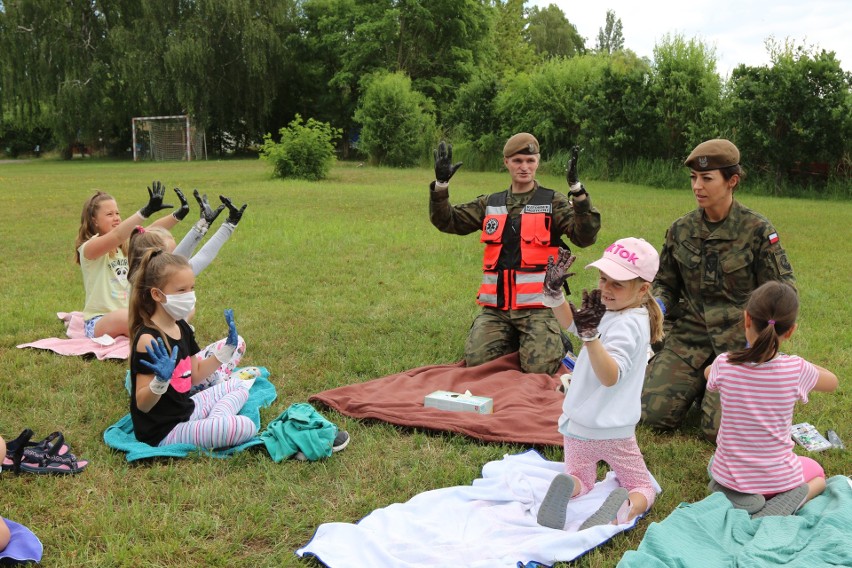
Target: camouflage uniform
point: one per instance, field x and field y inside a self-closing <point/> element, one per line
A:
<point x="706" y="276"/>
<point x="534" y="332"/>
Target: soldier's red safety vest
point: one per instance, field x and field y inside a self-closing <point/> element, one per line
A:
<point x="516" y="252"/>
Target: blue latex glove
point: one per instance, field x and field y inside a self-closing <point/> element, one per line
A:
<point x="162" y="364"/>
<point x="232" y="328"/>
<point x="662" y="305"/>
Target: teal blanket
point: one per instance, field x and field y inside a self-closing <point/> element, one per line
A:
<point x="120" y="435"/>
<point x="712" y="533"/>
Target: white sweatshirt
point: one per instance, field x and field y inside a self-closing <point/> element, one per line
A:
<point x="594" y="411"/>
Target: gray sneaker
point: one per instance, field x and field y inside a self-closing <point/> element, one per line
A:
<point x="341" y="440"/>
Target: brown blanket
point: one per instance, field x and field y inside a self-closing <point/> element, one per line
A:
<point x="526" y="405"/>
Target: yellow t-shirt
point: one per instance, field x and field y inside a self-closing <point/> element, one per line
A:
<point x="105" y="282"/>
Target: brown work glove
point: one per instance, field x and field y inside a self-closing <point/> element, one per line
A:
<point x="554" y="278"/>
<point x="588" y="317"/>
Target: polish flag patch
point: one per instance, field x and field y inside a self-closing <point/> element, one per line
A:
<point x="773" y="238"/>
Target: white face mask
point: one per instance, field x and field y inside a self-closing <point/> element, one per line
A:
<point x="179" y="306"/>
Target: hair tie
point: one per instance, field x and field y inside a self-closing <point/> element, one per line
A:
<point x="770" y="322"/>
<point x="140" y="229"/>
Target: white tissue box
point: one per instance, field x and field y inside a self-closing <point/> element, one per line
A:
<point x="459" y="402"/>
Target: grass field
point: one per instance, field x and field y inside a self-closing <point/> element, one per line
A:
<point x="331" y="283"/>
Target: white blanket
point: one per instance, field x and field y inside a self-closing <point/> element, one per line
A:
<point x="491" y="523"/>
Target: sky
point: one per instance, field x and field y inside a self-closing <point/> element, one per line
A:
<point x="736" y="29"/>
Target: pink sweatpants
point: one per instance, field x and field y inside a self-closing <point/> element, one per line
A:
<point x="622" y="455"/>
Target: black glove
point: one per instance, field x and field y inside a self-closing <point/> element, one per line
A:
<point x="156" y="194"/>
<point x="207" y="213"/>
<point x="589" y="316"/>
<point x="183" y="210"/>
<point x="572" y="177"/>
<point x="555" y="278"/>
<point x="234" y="214"/>
<point x="444" y="167"/>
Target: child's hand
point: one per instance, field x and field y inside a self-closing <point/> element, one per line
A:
<point x="156" y="194"/>
<point x="234" y="214"/>
<point x="161" y="363"/>
<point x="183" y="210"/>
<point x="207" y="213"/>
<point x="226" y="350"/>
<point x="232" y="328"/>
<point x="554" y="278"/>
<point x="589" y="316"/>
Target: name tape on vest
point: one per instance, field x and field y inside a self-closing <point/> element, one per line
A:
<point x="537" y="208"/>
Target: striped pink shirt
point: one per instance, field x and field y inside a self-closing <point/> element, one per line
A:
<point x="754" y="451"/>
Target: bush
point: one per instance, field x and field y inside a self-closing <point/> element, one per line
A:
<point x="306" y="150"/>
<point x="397" y="127"/>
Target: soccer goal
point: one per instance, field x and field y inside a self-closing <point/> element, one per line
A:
<point x="167" y="138"/>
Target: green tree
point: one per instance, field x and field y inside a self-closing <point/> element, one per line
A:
<point x="619" y="119"/>
<point x="438" y="44"/>
<point x="398" y="128"/>
<point x="686" y="95"/>
<point x="611" y="36"/>
<point x="548" y="101"/>
<point x="53" y="67"/>
<point x="797" y="110"/>
<point x="91" y="66"/>
<point x="551" y="34"/>
<point x="512" y="52"/>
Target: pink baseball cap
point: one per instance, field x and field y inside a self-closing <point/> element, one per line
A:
<point x="629" y="258"/>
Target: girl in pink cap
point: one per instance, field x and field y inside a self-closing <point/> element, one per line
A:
<point x="617" y="324"/>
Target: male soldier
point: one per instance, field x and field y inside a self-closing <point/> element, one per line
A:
<point x="712" y="259"/>
<point x="521" y="227"/>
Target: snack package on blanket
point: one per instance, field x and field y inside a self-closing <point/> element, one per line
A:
<point x="809" y="437"/>
<point x="466" y="402"/>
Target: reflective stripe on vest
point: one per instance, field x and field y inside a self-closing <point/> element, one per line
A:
<point x="523" y="289"/>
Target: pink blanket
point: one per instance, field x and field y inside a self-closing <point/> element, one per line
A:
<point x="104" y="347"/>
<point x="526" y="405"/>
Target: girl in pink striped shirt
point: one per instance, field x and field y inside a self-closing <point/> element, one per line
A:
<point x="754" y="463"/>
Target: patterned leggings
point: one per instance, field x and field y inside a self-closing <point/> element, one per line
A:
<point x="622" y="455"/>
<point x="215" y="423"/>
<point x="224" y="370"/>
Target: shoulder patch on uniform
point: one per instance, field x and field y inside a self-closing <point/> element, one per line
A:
<point x="773" y="238"/>
<point x="783" y="264"/>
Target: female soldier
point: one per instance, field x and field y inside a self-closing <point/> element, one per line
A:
<point x="712" y="259"/>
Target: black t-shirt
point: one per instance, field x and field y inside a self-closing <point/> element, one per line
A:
<point x="173" y="407"/>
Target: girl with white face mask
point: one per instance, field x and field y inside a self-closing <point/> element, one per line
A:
<point x="164" y="366"/>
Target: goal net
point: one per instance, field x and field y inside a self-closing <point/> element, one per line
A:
<point x="167" y="138"/>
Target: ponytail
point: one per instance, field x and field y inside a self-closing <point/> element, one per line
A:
<point x="141" y="240"/>
<point x="655" y="315"/>
<point x="772" y="308"/>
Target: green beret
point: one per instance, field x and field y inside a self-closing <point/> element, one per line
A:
<point x="522" y="143"/>
<point x="713" y="155"/>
